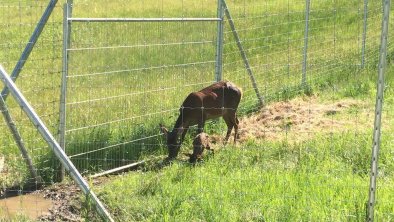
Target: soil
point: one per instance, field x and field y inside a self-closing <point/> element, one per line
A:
<point x="66" y="205"/>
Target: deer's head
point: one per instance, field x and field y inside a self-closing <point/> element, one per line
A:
<point x="173" y="141"/>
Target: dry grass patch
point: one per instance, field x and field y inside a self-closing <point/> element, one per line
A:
<point x="299" y="118"/>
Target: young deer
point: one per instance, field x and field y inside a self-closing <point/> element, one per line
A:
<point x="220" y="99"/>
<point x="200" y="142"/>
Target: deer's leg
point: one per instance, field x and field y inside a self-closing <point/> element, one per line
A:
<point x="193" y="156"/>
<point x="236" y="123"/>
<point x="200" y="125"/>
<point x="200" y="128"/>
<point x="230" y="124"/>
<point x="183" y="135"/>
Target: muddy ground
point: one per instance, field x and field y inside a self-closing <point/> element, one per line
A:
<point x="66" y="205"/>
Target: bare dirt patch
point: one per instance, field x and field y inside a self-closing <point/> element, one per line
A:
<point x="66" y="205"/>
<point x="68" y="202"/>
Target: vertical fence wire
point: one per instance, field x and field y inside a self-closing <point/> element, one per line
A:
<point x="122" y="70"/>
<point x="305" y="48"/>
<point x="219" y="44"/>
<point x="25" y="24"/>
<point x="335" y="46"/>
<point x="365" y="22"/>
<point x="127" y="77"/>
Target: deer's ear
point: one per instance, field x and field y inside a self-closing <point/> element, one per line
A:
<point x="163" y="130"/>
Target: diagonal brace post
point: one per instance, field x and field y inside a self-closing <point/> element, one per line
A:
<point x="18" y="139"/>
<point x="4" y="93"/>
<point x="48" y="137"/>
<point x="243" y="54"/>
<point x="30" y="45"/>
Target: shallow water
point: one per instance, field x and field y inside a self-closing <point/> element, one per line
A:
<point x="30" y="205"/>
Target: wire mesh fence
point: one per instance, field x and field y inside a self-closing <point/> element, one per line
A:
<point x="38" y="80"/>
<point x="305" y="156"/>
<point x="124" y="78"/>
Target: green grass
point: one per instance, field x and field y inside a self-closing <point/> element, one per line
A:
<point x="319" y="180"/>
<point x="324" y="178"/>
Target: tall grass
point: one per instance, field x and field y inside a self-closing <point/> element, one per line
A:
<point x="319" y="180"/>
<point x="128" y="77"/>
<point x="324" y="178"/>
<point x="152" y="67"/>
<point x="125" y="78"/>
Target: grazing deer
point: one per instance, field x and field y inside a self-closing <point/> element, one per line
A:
<point x="200" y="142"/>
<point x="220" y="99"/>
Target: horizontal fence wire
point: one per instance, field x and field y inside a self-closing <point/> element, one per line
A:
<point x="136" y="74"/>
<point x="144" y="19"/>
<point x="38" y="81"/>
<point x="301" y="157"/>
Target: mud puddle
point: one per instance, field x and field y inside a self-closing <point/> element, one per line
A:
<point x="32" y="206"/>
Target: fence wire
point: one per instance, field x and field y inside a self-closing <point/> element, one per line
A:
<point x="38" y="77"/>
<point x="39" y="81"/>
<point x="129" y="83"/>
<point x="125" y="78"/>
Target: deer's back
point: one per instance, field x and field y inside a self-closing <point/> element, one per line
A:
<point x="221" y="94"/>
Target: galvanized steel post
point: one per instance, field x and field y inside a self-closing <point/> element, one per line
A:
<point x="63" y="93"/>
<point x="45" y="133"/>
<point x="219" y="43"/>
<point x="305" y="51"/>
<point x="378" y="112"/>
<point x="364" y="33"/>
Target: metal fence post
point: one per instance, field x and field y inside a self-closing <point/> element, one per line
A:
<point x="61" y="155"/>
<point x="219" y="43"/>
<point x="378" y="112"/>
<point x="364" y="33"/>
<point x="63" y="93"/>
<point x="243" y="54"/>
<point x="305" y="51"/>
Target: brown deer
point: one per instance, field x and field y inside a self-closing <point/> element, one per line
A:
<point x="200" y="142"/>
<point x="220" y="99"/>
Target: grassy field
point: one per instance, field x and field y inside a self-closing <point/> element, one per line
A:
<point x="155" y="65"/>
<point x="126" y="78"/>
<point x="324" y="178"/>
